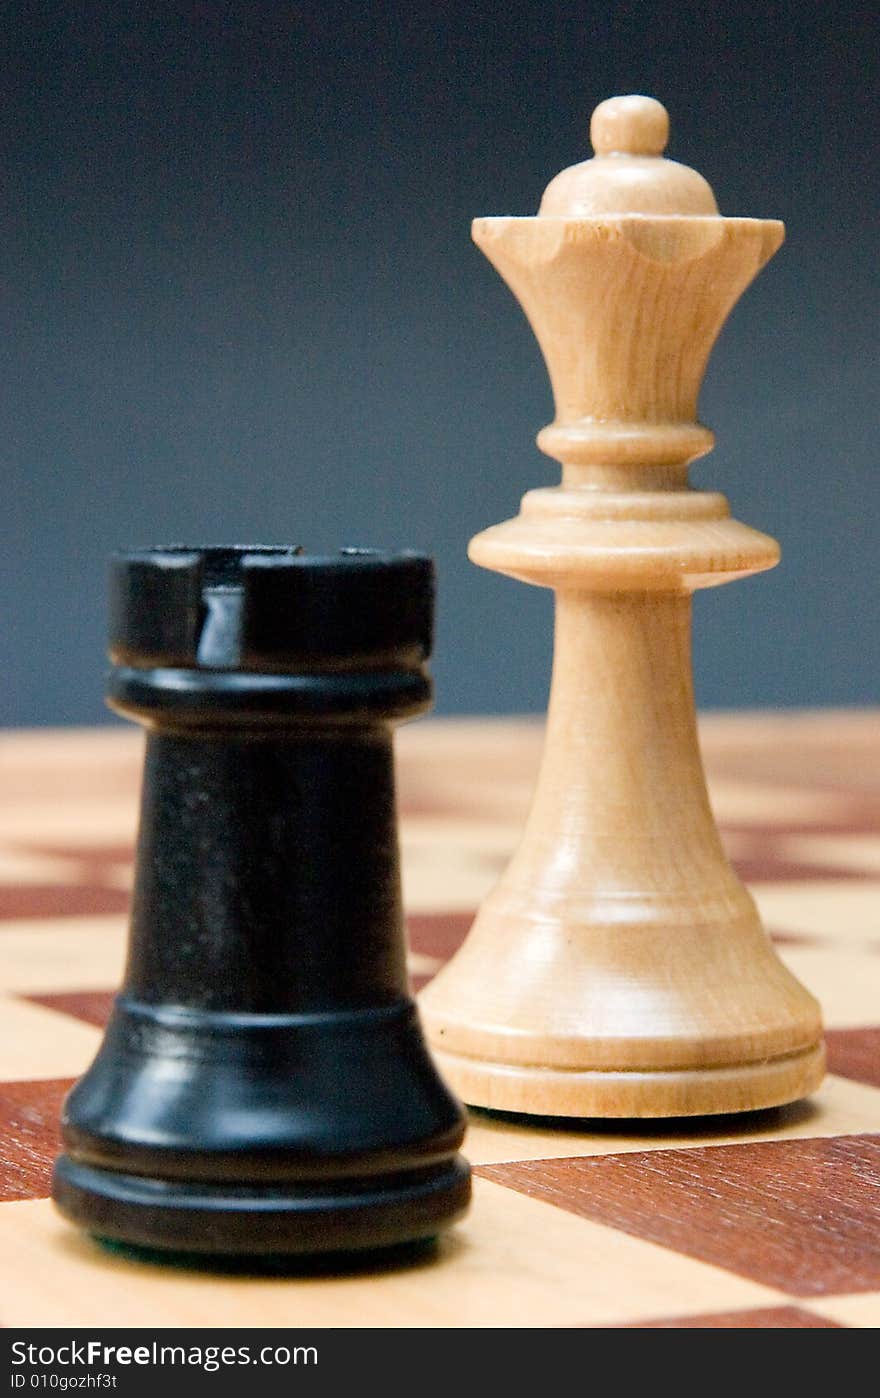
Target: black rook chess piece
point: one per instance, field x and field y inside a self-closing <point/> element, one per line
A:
<point x="263" y="1086"/>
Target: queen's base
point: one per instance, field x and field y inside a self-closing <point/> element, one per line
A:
<point x="577" y="1093"/>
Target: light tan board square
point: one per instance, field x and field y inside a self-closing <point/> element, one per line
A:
<point x="842" y="911"/>
<point x="74" y="953"/>
<point x="861" y="1312"/>
<point x="514" y="1261"/>
<point x="38" y="1043"/>
<point x="846" y="984"/>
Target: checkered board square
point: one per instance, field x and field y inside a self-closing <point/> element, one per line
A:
<point x="768" y="1220"/>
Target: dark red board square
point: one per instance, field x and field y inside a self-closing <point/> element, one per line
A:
<point x="799" y="1215"/>
<point x="29" y="1136"/>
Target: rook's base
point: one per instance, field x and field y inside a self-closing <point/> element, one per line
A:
<point x="225" y="1220"/>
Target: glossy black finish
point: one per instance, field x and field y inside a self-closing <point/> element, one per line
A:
<point x="263" y="1086"/>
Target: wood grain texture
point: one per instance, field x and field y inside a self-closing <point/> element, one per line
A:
<point x="803" y="1215"/>
<point x="841" y="1107"/>
<point x="29" y="1136"/>
<point x="772" y="1318"/>
<point x="619" y="968"/>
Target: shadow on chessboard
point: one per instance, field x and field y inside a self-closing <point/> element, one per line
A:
<point x="698" y="1127"/>
<point x="367" y="1262"/>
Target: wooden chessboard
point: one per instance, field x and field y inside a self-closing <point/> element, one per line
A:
<point x="761" y="1221"/>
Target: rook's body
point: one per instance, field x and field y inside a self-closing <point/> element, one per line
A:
<point x="263" y="1086"/>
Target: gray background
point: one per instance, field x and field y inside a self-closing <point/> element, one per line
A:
<point x="239" y="302"/>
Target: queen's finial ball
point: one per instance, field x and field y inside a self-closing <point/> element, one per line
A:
<point x="632" y="125"/>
